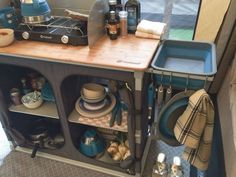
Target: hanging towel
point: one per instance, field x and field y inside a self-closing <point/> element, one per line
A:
<point x="194" y="129"/>
<point x="232" y="96"/>
<point x="155" y="28"/>
<point x="146" y="35"/>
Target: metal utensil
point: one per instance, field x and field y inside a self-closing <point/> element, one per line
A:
<point x="160" y="95"/>
<point x="76" y="15"/>
<point x="168" y="94"/>
<point x="38" y="135"/>
<point x="151" y="92"/>
<point x="169" y="91"/>
<point x="119" y="115"/>
<point x="113" y="116"/>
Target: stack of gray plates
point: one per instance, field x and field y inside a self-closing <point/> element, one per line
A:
<point x="94" y="101"/>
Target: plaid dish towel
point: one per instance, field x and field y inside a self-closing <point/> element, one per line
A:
<point x="194" y="129"/>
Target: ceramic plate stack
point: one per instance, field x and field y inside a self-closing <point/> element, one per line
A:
<point x="94" y="101"/>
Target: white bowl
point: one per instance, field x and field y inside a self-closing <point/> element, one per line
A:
<point x="6" y="37"/>
<point x="31" y="101"/>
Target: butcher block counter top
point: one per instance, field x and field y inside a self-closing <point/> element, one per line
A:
<point x="130" y="53"/>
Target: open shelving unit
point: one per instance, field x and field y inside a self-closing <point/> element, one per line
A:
<point x="71" y="86"/>
<point x="22" y="118"/>
<point x="66" y="82"/>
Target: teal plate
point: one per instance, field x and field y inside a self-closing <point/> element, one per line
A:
<point x="169" y="114"/>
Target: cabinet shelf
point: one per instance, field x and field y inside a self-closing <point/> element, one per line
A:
<point x="102" y="122"/>
<point x="48" y="109"/>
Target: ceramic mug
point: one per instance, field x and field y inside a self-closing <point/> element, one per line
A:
<point x="15" y="96"/>
<point x="8" y="18"/>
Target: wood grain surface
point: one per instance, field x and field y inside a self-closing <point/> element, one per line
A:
<point x="128" y="53"/>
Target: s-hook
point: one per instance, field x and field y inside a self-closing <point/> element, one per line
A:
<point x="187" y="83"/>
<point x="169" y="90"/>
<point x="205" y="83"/>
<point x="160" y="93"/>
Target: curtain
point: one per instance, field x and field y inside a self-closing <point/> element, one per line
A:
<point x="211" y="16"/>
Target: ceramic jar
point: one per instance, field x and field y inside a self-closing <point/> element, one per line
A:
<point x="15" y="96"/>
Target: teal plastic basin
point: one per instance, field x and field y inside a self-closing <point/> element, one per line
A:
<point x="189" y="58"/>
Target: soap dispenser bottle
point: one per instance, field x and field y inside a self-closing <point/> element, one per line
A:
<point x="176" y="168"/>
<point x="160" y="168"/>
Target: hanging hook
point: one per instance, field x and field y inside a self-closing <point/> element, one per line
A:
<point x="187" y="82"/>
<point x="168" y="94"/>
<point x="152" y="77"/>
<point x="162" y="77"/>
<point x="170" y="80"/>
<point x="205" y="83"/>
<point x="160" y="93"/>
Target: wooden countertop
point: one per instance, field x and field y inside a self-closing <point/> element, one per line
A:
<point x="128" y="53"/>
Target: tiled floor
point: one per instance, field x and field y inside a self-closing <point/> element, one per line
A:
<point x="19" y="164"/>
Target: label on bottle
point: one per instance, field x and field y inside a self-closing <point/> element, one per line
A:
<point x="132" y="18"/>
<point x="113" y="29"/>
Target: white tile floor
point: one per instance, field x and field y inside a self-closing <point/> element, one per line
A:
<point x="4" y="145"/>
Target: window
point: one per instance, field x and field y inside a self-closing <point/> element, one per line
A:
<point x="180" y="16"/>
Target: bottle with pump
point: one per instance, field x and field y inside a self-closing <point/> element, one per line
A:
<point x="160" y="168"/>
<point x="176" y="168"/>
<point x="113" y="26"/>
<point x="133" y="9"/>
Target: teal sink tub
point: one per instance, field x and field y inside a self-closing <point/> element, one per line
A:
<point x="184" y="64"/>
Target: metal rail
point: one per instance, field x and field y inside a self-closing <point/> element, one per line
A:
<point x="62" y="25"/>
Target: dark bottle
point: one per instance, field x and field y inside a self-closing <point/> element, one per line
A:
<point x="133" y="9"/>
<point x="112" y="26"/>
<point x="119" y="6"/>
<point x="116" y="6"/>
<point x="112" y="5"/>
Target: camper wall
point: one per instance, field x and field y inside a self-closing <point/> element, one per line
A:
<point x="3" y="3"/>
<point x="223" y="100"/>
